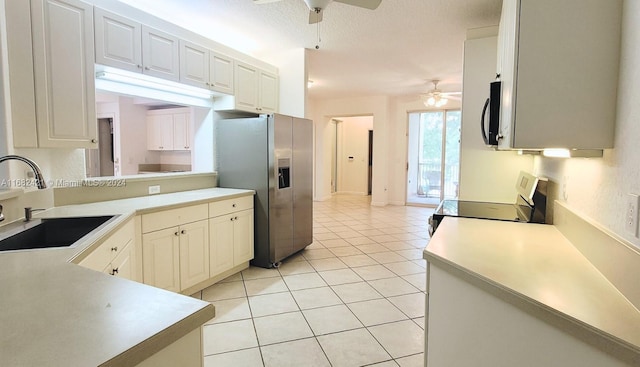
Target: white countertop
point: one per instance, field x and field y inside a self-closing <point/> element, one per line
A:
<point x="53" y="312"/>
<point x="538" y="265"/>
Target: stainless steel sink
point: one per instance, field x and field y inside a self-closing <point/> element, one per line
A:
<point x="50" y="232"/>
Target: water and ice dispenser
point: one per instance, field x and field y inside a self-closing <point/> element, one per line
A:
<point x="284" y="173"/>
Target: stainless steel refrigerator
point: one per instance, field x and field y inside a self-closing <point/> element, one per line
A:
<point x="271" y="154"/>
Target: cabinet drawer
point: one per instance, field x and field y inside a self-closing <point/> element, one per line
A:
<point x="173" y="217"/>
<point x="222" y="207"/>
<point x="100" y="258"/>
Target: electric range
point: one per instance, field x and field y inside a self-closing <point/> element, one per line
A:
<point x="530" y="205"/>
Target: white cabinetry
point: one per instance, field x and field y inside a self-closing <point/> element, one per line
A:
<point x="50" y="52"/>
<point x="126" y="44"/>
<point x="256" y="91"/>
<point x="175" y="247"/>
<point x="558" y="63"/>
<point x="169" y="129"/>
<point x="116" y="255"/>
<point x="230" y="233"/>
<point x="205" y="68"/>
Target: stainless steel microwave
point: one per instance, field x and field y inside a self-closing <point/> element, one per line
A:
<point x="492" y="106"/>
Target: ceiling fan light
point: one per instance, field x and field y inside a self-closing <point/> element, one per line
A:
<point x="431" y="101"/>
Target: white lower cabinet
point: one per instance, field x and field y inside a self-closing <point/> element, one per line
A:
<point x="176" y="258"/>
<point x="231" y="240"/>
<point x="116" y="255"/>
<point x="161" y="259"/>
<point x="230" y="233"/>
<point x="194" y="253"/>
<point x="187" y="248"/>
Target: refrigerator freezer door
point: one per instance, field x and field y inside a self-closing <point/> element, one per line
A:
<point x="281" y="194"/>
<point x="302" y="177"/>
<point x="243" y="162"/>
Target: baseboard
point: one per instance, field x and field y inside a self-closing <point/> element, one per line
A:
<point x="400" y="203"/>
<point x="378" y="203"/>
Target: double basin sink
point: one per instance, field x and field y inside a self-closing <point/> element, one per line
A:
<point x="49" y="232"/>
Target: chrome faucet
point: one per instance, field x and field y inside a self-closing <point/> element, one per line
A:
<point x="28" y="213"/>
<point x="36" y="170"/>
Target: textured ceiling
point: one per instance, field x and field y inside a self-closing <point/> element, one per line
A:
<point x="393" y="50"/>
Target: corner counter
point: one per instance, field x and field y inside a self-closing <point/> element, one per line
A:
<point x="54" y="312"/>
<point x="522" y="294"/>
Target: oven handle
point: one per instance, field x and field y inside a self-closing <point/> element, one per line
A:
<point x="482" y="124"/>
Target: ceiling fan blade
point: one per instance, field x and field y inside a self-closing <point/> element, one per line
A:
<point x="264" y="1"/>
<point x="315" y="16"/>
<point x="367" y="4"/>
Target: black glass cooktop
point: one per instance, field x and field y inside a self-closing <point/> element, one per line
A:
<point x="482" y="210"/>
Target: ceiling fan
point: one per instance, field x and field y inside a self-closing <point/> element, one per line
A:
<point x="316" y="7"/>
<point x="437" y="98"/>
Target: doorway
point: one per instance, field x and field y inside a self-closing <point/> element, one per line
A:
<point x="100" y="162"/>
<point x="351" y="154"/>
<point x="433" y="156"/>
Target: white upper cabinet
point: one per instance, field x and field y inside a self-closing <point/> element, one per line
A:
<point x="221" y="73"/>
<point x="169" y="129"/>
<point x="118" y="41"/>
<point x="63" y="61"/>
<point x="205" y="68"/>
<point x="558" y="64"/>
<point x="256" y="90"/>
<point x="194" y="64"/>
<point x="126" y="44"/>
<point x="160" y="54"/>
<point x="268" y="92"/>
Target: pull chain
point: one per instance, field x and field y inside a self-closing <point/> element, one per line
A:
<point x="317" y="10"/>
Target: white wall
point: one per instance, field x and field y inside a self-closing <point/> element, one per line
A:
<point x="598" y="188"/>
<point x="353" y="140"/>
<point x="485" y="174"/>
<point x="377" y="107"/>
<point x="292" y="65"/>
<point x="133" y="137"/>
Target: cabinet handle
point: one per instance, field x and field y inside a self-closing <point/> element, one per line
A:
<point x="146" y="68"/>
<point x="177" y="233"/>
<point x="94" y="141"/>
<point x="235" y="218"/>
<point x="183" y="231"/>
<point x="114" y="249"/>
<point x="232" y="219"/>
<point x="139" y="66"/>
<point x="114" y="271"/>
<point x="233" y="205"/>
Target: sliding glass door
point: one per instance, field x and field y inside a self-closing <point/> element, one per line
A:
<point x="433" y="168"/>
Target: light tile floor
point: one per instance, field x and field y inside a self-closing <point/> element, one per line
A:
<point x="355" y="297"/>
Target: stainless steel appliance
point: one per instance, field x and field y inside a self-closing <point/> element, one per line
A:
<point x="530" y="205"/>
<point x="271" y="154"/>
<point x="492" y="105"/>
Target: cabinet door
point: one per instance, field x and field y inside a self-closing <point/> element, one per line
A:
<point x="268" y="93"/>
<point x="221" y="243"/>
<point x="181" y="131"/>
<point x="118" y="41"/>
<point x="160" y="54"/>
<point x="194" y="253"/>
<point x="161" y="259"/>
<point x="242" y="237"/>
<point x="221" y="73"/>
<point x="194" y="64"/>
<point x="246" y="87"/>
<point x="123" y="266"/>
<point x="160" y="132"/>
<point x="63" y="55"/>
